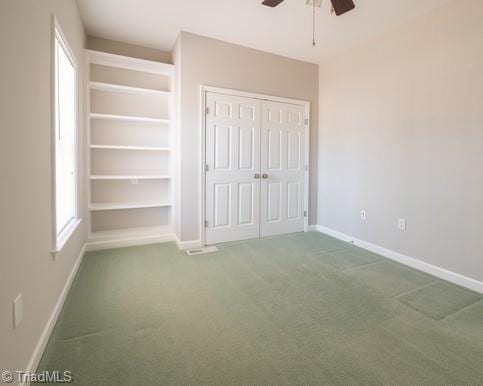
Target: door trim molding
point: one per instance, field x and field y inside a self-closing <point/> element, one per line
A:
<point x="204" y="89"/>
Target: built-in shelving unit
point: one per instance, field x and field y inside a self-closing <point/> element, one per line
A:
<point x="130" y="148"/>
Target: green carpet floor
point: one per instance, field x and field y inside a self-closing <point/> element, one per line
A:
<point x="297" y="309"/>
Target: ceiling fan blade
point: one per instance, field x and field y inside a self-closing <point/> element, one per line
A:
<point x="342" y="6"/>
<point x="271" y="3"/>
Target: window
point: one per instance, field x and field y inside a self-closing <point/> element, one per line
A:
<point x="65" y="142"/>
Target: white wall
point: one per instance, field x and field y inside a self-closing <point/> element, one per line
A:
<point x="26" y="264"/>
<point x="206" y="61"/>
<point x="401" y="135"/>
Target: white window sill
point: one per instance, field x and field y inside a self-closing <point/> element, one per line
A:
<point x="65" y="236"/>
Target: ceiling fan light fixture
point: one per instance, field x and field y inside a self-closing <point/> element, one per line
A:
<point x="338" y="7"/>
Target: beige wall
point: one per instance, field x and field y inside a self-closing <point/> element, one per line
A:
<point x="119" y="48"/>
<point x="26" y="264"/>
<point x="212" y="62"/>
<point x="402" y="136"/>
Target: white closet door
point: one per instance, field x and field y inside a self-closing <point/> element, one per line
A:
<point x="233" y="168"/>
<point x="282" y="168"/>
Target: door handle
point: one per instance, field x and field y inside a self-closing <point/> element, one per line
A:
<point x="257" y="176"/>
<point x="264" y="175"/>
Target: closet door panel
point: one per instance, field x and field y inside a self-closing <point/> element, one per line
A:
<point x="232" y="196"/>
<point x="282" y="168"/>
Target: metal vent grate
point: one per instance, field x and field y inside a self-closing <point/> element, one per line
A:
<point x="201" y="251"/>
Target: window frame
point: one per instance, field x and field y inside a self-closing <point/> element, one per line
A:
<point x="59" y="239"/>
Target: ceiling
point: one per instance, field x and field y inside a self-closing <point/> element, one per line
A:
<point x="284" y="30"/>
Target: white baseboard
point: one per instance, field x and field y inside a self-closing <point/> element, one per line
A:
<point x="439" y="272"/>
<point x="190" y="244"/>
<point x="313" y="228"/>
<point x="44" y="338"/>
<point x="128" y="242"/>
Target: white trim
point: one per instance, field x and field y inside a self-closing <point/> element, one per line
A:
<point x="59" y="34"/>
<point x="307" y="166"/>
<point x="53" y="155"/>
<point x="191" y="244"/>
<point x="44" y="337"/>
<point x="129" y="241"/>
<point x="202" y="183"/>
<point x="176" y="138"/>
<point x="247" y="94"/>
<point x="86" y="144"/>
<point x="60" y="239"/>
<point x="439" y="272"/>
<point x="65" y="235"/>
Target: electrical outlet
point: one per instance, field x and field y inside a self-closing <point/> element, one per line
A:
<point x="363" y="215"/>
<point x="401" y="224"/>
<point x="17" y="311"/>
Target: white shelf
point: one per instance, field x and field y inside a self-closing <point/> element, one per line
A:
<point x="127" y="89"/>
<point x="111" y="177"/>
<point x="129" y="63"/>
<point x="128" y="233"/>
<point x="128" y="118"/>
<point x="133" y="205"/>
<point x="141" y="148"/>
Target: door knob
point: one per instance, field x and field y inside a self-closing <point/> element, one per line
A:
<point x="264" y="175"/>
<point x="256" y="175"/>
